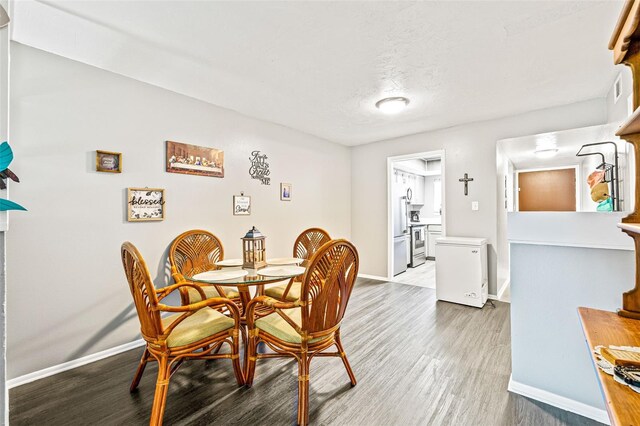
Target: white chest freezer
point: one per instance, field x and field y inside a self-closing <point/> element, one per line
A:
<point x="461" y="270"/>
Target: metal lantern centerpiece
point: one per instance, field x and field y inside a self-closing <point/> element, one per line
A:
<point x="253" y="250"/>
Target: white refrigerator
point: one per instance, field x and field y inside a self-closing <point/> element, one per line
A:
<point x="461" y="270"/>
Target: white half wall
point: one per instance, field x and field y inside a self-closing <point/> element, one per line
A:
<point x="570" y="229"/>
<point x="548" y="283"/>
<point x="67" y="294"/>
<point x="470" y="148"/>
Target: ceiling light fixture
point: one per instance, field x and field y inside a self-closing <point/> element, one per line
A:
<point x="546" y="153"/>
<point x="392" y="105"/>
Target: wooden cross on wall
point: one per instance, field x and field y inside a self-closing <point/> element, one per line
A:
<point x="466" y="179"/>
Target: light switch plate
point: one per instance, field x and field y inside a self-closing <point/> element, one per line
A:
<point x="474" y="206"/>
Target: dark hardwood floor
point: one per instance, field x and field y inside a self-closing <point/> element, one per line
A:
<point x="417" y="361"/>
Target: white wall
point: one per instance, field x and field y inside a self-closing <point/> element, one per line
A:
<point x="4" y="135"/>
<point x="572" y="229"/>
<point x="618" y="111"/>
<point x="504" y="177"/>
<point x="548" y="348"/>
<point x="470" y="148"/>
<point x="67" y="294"/>
<point x="560" y="261"/>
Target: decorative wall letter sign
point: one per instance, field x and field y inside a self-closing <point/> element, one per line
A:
<point x="145" y="204"/>
<point x="259" y="167"/>
<point x="241" y="205"/>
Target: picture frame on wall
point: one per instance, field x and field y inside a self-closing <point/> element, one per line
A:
<point x="109" y="162"/>
<point x="194" y="160"/>
<point x="145" y="204"/>
<point x="285" y="191"/>
<point x="241" y="205"/>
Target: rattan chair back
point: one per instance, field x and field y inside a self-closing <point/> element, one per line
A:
<point x="327" y="286"/>
<point x="142" y="290"/>
<point x="309" y="241"/>
<point x="195" y="251"/>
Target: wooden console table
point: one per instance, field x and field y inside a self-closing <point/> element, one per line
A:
<point x="608" y="328"/>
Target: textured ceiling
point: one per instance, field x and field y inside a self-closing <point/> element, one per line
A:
<point x="319" y="67"/>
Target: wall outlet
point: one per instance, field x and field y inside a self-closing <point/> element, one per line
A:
<point x="475" y="206"/>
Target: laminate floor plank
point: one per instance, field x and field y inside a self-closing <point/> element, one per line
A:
<point x="417" y="362"/>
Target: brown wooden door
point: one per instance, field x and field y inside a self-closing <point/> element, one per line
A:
<point x="547" y="190"/>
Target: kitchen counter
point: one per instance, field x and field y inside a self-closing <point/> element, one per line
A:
<point x="428" y="221"/>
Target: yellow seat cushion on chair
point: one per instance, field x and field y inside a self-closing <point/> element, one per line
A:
<point x="277" y="291"/>
<point x="210" y="291"/>
<point x="276" y="326"/>
<point x="204" y="323"/>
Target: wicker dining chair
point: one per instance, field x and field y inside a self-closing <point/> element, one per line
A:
<point x="307" y="327"/>
<point x="307" y="243"/>
<point x="193" y="331"/>
<point x="193" y="252"/>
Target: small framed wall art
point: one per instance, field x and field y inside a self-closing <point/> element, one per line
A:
<point x="145" y="204"/>
<point x="241" y="205"/>
<point x="110" y="162"/>
<point x="285" y="191"/>
<point x="194" y="160"/>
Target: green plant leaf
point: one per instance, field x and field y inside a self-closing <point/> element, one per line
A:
<point x="9" y="205"/>
<point x="6" y="155"/>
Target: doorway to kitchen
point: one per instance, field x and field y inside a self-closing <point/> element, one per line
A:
<point x="416" y="216"/>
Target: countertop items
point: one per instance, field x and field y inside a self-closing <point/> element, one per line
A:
<point x="608" y="328"/>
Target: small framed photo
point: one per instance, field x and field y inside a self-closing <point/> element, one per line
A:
<point x="285" y="192"/>
<point x="241" y="205"/>
<point x="145" y="204"/>
<point x="110" y="162"/>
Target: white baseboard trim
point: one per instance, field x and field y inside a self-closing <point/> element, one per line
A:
<point x="506" y="284"/>
<point x="373" y="277"/>
<point x="558" y="401"/>
<point x="493" y="297"/>
<point x="69" y="365"/>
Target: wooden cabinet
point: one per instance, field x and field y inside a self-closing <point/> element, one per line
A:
<point x="625" y="44"/>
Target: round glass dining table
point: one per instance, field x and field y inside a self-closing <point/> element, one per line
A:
<point x="251" y="279"/>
